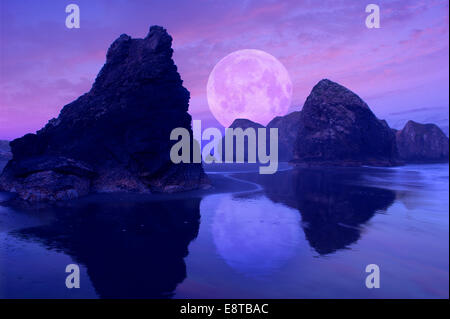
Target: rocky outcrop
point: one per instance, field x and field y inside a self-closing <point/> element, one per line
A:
<point x="242" y="124"/>
<point x="245" y="124"/>
<point x="338" y="128"/>
<point x="114" y="138"/>
<point x="422" y="143"/>
<point x="288" y="127"/>
<point x="287" y="130"/>
<point x="5" y="151"/>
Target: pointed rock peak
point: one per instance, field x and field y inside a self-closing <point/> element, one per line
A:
<point x="338" y="127"/>
<point x="119" y="48"/>
<point x="158" y="38"/>
<point x="156" y="41"/>
<point x="123" y="38"/>
<point x="326" y="82"/>
<point x="244" y="123"/>
<point x="329" y="92"/>
<point x="156" y="30"/>
<point x="412" y="125"/>
<point x="131" y="62"/>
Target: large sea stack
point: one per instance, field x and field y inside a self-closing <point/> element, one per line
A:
<point x="114" y="138"/>
<point x="422" y="143"/>
<point x="338" y="128"/>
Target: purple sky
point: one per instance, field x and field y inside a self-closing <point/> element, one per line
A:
<point x="401" y="70"/>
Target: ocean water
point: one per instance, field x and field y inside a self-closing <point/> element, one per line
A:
<point x="300" y="233"/>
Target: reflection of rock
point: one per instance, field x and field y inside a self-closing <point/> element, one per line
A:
<point x="255" y="237"/>
<point x="331" y="210"/>
<point x="130" y="250"/>
<point x="120" y="129"/>
<point x="422" y="143"/>
<point x="338" y="128"/>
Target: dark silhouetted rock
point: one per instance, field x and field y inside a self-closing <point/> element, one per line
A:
<point x="114" y="138"/>
<point x="422" y="143"/>
<point x="5" y="151"/>
<point x="287" y="131"/>
<point x="288" y="127"/>
<point x="243" y="124"/>
<point x="338" y="128"/>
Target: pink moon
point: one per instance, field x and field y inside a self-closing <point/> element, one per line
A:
<point x="249" y="84"/>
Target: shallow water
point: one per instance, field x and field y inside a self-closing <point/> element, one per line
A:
<point x="295" y="234"/>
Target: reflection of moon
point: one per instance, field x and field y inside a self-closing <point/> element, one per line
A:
<point x="250" y="84"/>
<point x="255" y="236"/>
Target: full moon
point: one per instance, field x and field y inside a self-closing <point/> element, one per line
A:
<point x="250" y="84"/>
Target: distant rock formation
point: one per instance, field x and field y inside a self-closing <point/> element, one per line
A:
<point x="288" y="127"/>
<point x="116" y="136"/>
<point x="422" y="143"/>
<point x="5" y="151"/>
<point x="243" y="124"/>
<point x="435" y="115"/>
<point x="338" y="128"/>
<point x="287" y="130"/>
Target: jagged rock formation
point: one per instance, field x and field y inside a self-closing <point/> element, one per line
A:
<point x="116" y="137"/>
<point x="422" y="143"/>
<point x="338" y="128"/>
<point x="288" y="127"/>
